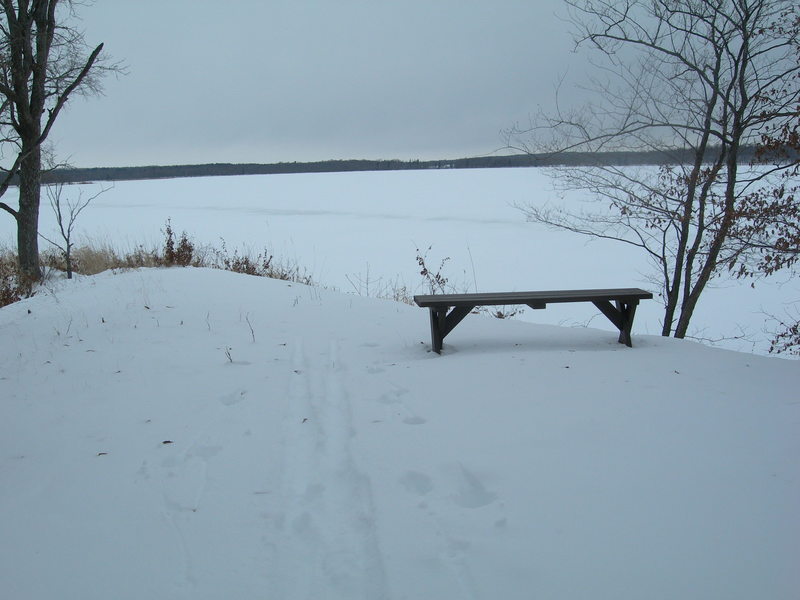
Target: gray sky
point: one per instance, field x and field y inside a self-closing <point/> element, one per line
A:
<point x="286" y="80"/>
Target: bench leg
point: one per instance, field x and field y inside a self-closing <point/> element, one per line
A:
<point x="621" y="317"/>
<point x="438" y="316"/>
<point x="627" y="311"/>
<point x="443" y="323"/>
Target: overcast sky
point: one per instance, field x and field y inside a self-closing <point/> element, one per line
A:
<point x="299" y="80"/>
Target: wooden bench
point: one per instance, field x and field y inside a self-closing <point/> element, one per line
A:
<point x="447" y="310"/>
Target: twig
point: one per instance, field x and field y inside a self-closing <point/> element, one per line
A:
<point x="252" y="333"/>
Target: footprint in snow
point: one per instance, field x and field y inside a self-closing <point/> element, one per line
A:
<point x="416" y="483"/>
<point x="393" y="397"/>
<point x="233" y="398"/>
<point x="471" y="492"/>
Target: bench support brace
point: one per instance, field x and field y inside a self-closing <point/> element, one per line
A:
<point x="443" y="323"/>
<point x="621" y="316"/>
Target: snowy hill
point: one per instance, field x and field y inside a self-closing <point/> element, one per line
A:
<point x="197" y="434"/>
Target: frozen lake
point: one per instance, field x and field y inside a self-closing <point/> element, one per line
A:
<point x="359" y="232"/>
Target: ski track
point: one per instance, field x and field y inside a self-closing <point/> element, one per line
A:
<point x="328" y="523"/>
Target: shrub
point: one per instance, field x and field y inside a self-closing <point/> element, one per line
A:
<point x="436" y="282"/>
<point x="180" y="255"/>
<point x="260" y="265"/>
<point x="91" y="259"/>
<point x="13" y="285"/>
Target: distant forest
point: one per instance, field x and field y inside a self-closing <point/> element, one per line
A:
<point x="73" y="175"/>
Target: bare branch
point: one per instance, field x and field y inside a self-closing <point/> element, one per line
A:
<point x="8" y="209"/>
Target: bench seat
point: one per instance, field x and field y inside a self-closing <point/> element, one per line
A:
<point x="447" y="310"/>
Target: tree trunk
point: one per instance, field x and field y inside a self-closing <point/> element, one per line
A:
<point x="669" y="309"/>
<point x="28" y="215"/>
<point x="710" y="264"/>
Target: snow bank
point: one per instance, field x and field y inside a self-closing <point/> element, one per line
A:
<point x="198" y="434"/>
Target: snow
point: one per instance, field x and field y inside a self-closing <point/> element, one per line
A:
<point x="360" y="232"/>
<point x="198" y="434"/>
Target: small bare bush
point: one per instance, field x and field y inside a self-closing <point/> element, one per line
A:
<point x="14" y="286"/>
<point x="66" y="211"/>
<point x="180" y="254"/>
<point x="435" y="281"/>
<point x="260" y="265"/>
<point x="141" y="257"/>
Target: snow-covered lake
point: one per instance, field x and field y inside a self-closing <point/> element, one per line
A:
<point x="359" y="232"/>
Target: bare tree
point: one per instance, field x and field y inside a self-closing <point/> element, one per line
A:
<point x="66" y="212"/>
<point x="699" y="81"/>
<point x="42" y="62"/>
<point x="769" y="218"/>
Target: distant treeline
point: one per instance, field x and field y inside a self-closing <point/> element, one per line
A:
<point x="65" y="175"/>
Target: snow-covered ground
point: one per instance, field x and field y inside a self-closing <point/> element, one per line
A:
<point x="359" y="232"/>
<point x="197" y="434"/>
